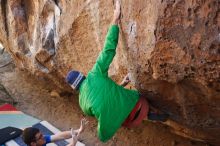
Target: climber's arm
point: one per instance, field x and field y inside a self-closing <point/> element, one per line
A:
<point x="109" y="50"/>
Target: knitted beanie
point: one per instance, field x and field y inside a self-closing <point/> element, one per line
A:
<point x="74" y="79"/>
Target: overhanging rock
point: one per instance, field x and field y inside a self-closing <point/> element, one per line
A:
<point x="171" y="48"/>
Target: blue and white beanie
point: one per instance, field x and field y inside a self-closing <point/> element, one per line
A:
<point x="74" y="79"/>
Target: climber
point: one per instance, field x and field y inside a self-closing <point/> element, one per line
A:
<point x="33" y="137"/>
<point x="99" y="96"/>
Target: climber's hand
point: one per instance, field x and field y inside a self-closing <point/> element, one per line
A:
<point x="117" y="12"/>
<point x="126" y="80"/>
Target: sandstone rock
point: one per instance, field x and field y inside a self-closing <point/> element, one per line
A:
<point x="171" y="48"/>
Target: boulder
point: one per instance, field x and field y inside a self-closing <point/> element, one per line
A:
<point x="170" y="47"/>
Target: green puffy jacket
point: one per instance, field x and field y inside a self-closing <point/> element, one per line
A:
<point x="102" y="97"/>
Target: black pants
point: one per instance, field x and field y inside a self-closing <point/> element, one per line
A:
<point x="157" y="117"/>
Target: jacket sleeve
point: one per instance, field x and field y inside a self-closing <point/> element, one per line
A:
<point x="108" y="52"/>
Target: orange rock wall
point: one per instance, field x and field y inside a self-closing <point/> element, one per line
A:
<point x="171" y="48"/>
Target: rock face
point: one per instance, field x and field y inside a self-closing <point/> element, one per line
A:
<point x="171" y="48"/>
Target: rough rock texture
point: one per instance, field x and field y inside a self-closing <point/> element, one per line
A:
<point x="171" y="47"/>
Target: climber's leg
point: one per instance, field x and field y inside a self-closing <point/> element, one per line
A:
<point x="162" y="117"/>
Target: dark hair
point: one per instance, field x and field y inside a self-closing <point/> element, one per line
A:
<point x="29" y="134"/>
